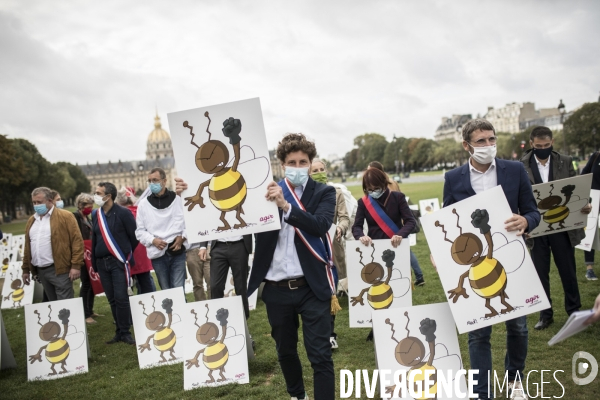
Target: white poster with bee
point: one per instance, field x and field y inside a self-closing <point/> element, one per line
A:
<point x="428" y="206"/>
<point x="591" y="241"/>
<point x="486" y="271"/>
<point x="157" y="318"/>
<point x="378" y="278"/>
<point x="6" y="242"/>
<point x="421" y="339"/>
<point x="7" y="358"/>
<point x="56" y="339"/>
<point x="217" y="345"/>
<point x="15" y="294"/>
<point x="221" y="153"/>
<point x="230" y="288"/>
<point x="560" y="203"/>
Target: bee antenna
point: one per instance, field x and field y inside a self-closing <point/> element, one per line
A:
<point x="372" y="257"/>
<point x="437" y="223"/>
<point x="195" y="318"/>
<point x="153" y="301"/>
<point x="144" y="307"/>
<point x="49" y="312"/>
<point x="207" y="310"/>
<point x="186" y="125"/>
<point x="208" y="126"/>
<point x="551" y="188"/>
<point x="361" y="263"/>
<point x="457" y="219"/>
<point x="39" y="317"/>
<point x="387" y="321"/>
<point x="537" y="194"/>
<point x="407" y="322"/>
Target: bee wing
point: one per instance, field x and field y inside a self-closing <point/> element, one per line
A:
<point x="577" y="205"/>
<point x="511" y="255"/>
<point x="75" y="339"/>
<point x="235" y="343"/>
<point x="255" y="170"/>
<point x="399" y="285"/>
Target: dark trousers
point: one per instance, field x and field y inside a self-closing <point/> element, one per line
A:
<point x="222" y="256"/>
<point x="588" y="256"/>
<point x="564" y="258"/>
<point x="114" y="282"/>
<point x="283" y="307"/>
<point x="86" y="292"/>
<point x="144" y="283"/>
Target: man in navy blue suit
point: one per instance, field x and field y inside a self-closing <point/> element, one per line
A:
<point x="482" y="172"/>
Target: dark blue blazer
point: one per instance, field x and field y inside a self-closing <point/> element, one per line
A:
<point x="514" y="181"/>
<point x="122" y="226"/>
<point x="319" y="201"/>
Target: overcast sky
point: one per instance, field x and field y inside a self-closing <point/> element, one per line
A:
<point x="81" y="79"/>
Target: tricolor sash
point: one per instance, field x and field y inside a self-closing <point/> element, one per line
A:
<point x="384" y="222"/>
<point x="112" y="245"/>
<point x="321" y="250"/>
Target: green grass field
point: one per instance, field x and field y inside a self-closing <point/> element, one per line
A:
<point x="114" y="372"/>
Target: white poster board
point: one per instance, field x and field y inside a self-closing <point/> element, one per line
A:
<point x="560" y="203"/>
<point x="401" y="343"/>
<point x="221" y="153"/>
<point x="378" y="278"/>
<point x="483" y="291"/>
<point x="6" y="242"/>
<point x="7" y="359"/>
<point x="428" y="206"/>
<point x="157" y="318"/>
<point x="591" y="241"/>
<point x="230" y="290"/>
<point x="15" y="293"/>
<point x="56" y="339"/>
<point x="216" y="344"/>
<point x="18" y="243"/>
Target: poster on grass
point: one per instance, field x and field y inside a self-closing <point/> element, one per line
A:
<point x="157" y="320"/>
<point x="7" y="358"/>
<point x="15" y="293"/>
<point x="230" y="287"/>
<point x="486" y="272"/>
<point x="217" y="344"/>
<point x="591" y="241"/>
<point x="378" y="278"/>
<point x="422" y="339"/>
<point x="429" y="206"/>
<point x="56" y="339"/>
<point x="221" y="153"/>
<point x="560" y="203"/>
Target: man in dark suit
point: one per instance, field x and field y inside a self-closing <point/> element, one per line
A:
<point x="296" y="282"/>
<point x="482" y="172"/>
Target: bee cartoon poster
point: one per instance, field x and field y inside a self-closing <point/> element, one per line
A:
<point x="560" y="203"/>
<point x="7" y="359"/>
<point x="230" y="289"/>
<point x="221" y="153"/>
<point x="378" y="278"/>
<point x="418" y="338"/>
<point x="157" y="318"/>
<point x="216" y="346"/>
<point x="486" y="272"/>
<point x="429" y="206"/>
<point x="15" y="293"/>
<point x="56" y="339"/>
<point x="591" y="240"/>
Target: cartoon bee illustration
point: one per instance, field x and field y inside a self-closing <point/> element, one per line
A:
<point x="5" y="262"/>
<point x="58" y="348"/>
<point x="380" y="294"/>
<point x="164" y="337"/>
<point x="486" y="274"/>
<point x="227" y="188"/>
<point x="556" y="212"/>
<point x="18" y="292"/>
<point x="231" y="291"/>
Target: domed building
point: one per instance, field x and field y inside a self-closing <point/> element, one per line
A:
<point x="159" y="153"/>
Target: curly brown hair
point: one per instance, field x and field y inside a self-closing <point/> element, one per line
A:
<point x="293" y="142"/>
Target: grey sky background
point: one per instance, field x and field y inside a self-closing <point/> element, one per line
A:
<point x="81" y="79"/>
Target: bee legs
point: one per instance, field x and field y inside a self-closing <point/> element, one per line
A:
<point x="561" y="224"/>
<point x="163" y="359"/>
<point x="503" y="297"/>
<point x="172" y="354"/>
<point x="225" y="227"/>
<point x="212" y="379"/>
<point x="550" y="228"/>
<point x="493" y="312"/>
<point x="238" y="215"/>
<point x="222" y="376"/>
<point x="53" y="370"/>
<point x="64" y="364"/>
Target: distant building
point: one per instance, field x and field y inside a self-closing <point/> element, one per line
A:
<point x="451" y="128"/>
<point x="552" y="121"/>
<point x="509" y="117"/>
<point x="159" y="153"/>
<point x="276" y="168"/>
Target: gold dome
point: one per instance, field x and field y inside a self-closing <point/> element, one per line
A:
<point x="158" y="134"/>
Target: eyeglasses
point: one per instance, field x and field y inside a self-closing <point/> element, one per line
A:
<point x="484" y="142"/>
<point x="154" y="180"/>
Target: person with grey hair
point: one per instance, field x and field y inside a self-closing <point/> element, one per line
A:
<point x="53" y="247"/>
<point x="484" y="171"/>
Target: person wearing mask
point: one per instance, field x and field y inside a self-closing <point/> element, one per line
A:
<point x="57" y="200"/>
<point x="592" y="167"/>
<point x="545" y="165"/>
<point x="392" y="184"/>
<point x="53" y="247"/>
<point x="161" y="229"/>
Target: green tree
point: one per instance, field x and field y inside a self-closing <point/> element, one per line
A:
<point x="393" y="153"/>
<point x="82" y="184"/>
<point x="579" y="128"/>
<point x="371" y="147"/>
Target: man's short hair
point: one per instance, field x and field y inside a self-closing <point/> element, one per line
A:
<point x="54" y="193"/>
<point x="109" y="188"/>
<point x="161" y="172"/>
<point x="293" y="142"/>
<point x="478" y="124"/>
<point x="540" y="132"/>
<point x="46" y="191"/>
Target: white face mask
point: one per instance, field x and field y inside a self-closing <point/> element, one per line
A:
<point x="98" y="200"/>
<point x="483" y="155"/>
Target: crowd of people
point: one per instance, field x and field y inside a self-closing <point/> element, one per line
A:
<point x="129" y="237"/>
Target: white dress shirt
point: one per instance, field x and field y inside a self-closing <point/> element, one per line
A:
<point x="231" y="239"/>
<point x="482" y="181"/>
<point x="41" y="240"/>
<point x="286" y="264"/>
<point x="544" y="169"/>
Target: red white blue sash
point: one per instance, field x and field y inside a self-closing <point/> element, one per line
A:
<point x="384" y="222"/>
<point x="318" y="248"/>
<point x="112" y="245"/>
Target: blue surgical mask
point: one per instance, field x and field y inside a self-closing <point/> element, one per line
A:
<point x="376" y="193"/>
<point x="155" y="188"/>
<point x="40" y="209"/>
<point x="296" y="176"/>
<point x="60" y="204"/>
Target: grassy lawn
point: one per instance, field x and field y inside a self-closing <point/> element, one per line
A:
<point x="114" y="371"/>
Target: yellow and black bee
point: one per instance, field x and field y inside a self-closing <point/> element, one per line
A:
<point x="227" y="188"/>
<point x="57" y="350"/>
<point x="4" y="265"/>
<point x="164" y="337"/>
<point x="487" y="276"/>
<point x="380" y="294"/>
<point x="215" y="354"/>
<point x="18" y="292"/>
<point x="557" y="212"/>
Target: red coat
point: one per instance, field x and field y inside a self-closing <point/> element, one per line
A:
<point x="142" y="262"/>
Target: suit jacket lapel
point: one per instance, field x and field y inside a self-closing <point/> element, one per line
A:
<point x="308" y="192"/>
<point x="466" y="179"/>
<point x="501" y="172"/>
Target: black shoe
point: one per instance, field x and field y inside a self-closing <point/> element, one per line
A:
<point x="420" y="282"/>
<point x="543" y="324"/>
<point x="370" y="337"/>
<point x="128" y="339"/>
<point x="114" y="340"/>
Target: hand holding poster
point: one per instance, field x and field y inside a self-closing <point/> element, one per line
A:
<point x="591" y="241"/>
